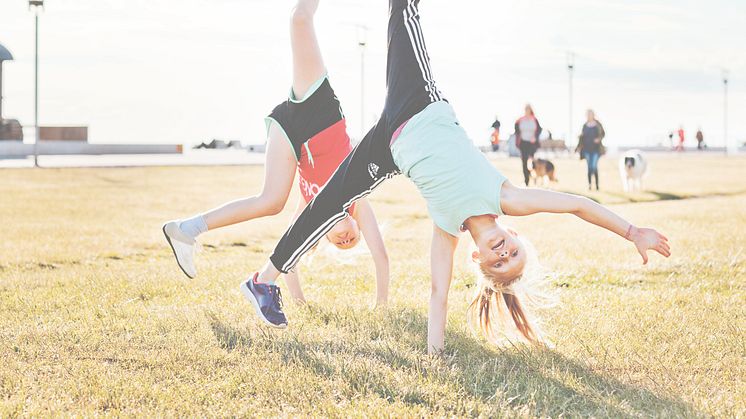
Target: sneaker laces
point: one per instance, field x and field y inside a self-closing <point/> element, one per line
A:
<point x="276" y="297"/>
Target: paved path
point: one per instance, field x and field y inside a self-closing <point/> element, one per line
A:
<point x="189" y="158"/>
<point x="226" y="158"/>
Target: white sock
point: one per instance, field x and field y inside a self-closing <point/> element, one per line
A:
<point x="194" y="226"/>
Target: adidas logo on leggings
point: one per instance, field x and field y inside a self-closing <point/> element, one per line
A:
<point x="373" y="170"/>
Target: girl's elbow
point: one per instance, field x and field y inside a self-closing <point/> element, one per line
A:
<point x="381" y="258"/>
<point x="581" y="206"/>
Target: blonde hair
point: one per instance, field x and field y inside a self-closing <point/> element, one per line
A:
<point x="329" y="254"/>
<point x="504" y="311"/>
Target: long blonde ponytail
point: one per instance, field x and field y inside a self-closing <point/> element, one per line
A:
<point x="503" y="313"/>
<point x="499" y="314"/>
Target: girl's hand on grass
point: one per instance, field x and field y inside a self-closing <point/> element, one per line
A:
<point x="648" y="239"/>
<point x="381" y="305"/>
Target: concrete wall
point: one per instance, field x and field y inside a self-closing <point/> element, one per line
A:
<point x="63" y="133"/>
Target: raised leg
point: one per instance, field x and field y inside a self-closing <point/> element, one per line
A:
<point x="409" y="77"/>
<point x="308" y="64"/>
<point x="279" y="172"/>
<point x="292" y="279"/>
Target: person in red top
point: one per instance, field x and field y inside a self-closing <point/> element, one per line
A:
<point x="680" y="146"/>
<point x="306" y="133"/>
<point x="495" y="137"/>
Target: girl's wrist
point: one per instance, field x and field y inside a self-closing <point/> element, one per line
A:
<point x="631" y="232"/>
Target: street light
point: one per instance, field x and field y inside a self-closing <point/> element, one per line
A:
<point x="570" y="69"/>
<point x="362" y="41"/>
<point x="36" y="5"/>
<point x="726" y="74"/>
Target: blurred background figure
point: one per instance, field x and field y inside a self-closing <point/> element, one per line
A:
<point x="682" y="137"/>
<point x="495" y="137"/>
<point x="527" y="131"/>
<point x="700" y="139"/>
<point x="590" y="145"/>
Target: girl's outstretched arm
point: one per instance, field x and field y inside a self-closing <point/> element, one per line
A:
<point x="441" y="265"/>
<point x="526" y="201"/>
<point x="366" y="220"/>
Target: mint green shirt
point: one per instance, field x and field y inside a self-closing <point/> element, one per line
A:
<point x="453" y="176"/>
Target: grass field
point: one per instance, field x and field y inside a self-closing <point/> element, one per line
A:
<point x="96" y="318"/>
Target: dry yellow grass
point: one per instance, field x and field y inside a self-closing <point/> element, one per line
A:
<point x="95" y="317"/>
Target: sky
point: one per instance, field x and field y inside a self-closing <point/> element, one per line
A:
<point x="187" y="71"/>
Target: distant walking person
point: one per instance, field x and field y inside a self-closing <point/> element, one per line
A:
<point x="680" y="132"/>
<point x="700" y="140"/>
<point x="495" y="137"/>
<point x="590" y="145"/>
<point x="527" y="132"/>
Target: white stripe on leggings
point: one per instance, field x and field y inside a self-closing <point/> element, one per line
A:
<point x="329" y="224"/>
<point x="426" y="58"/>
<point x="415" y="47"/>
<point x="418" y="45"/>
<point x="416" y="38"/>
<point x="312" y="239"/>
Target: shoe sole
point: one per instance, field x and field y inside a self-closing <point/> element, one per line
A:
<point x="168" y="239"/>
<point x="249" y="296"/>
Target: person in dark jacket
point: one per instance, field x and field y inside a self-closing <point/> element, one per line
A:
<point x="495" y="137"/>
<point x="590" y="145"/>
<point x="527" y="132"/>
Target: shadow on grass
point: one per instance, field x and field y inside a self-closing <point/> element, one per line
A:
<point x="656" y="196"/>
<point x="472" y="379"/>
<point x="665" y="196"/>
<point x="653" y="196"/>
<point x="228" y="338"/>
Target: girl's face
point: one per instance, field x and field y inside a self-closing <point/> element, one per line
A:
<point x="500" y="254"/>
<point x="345" y="235"/>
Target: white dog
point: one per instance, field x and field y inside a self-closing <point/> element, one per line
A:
<point x="632" y="168"/>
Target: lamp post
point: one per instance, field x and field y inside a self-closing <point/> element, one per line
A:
<point x="36" y="5"/>
<point x="726" y="75"/>
<point x="362" y="41"/>
<point x="570" y="70"/>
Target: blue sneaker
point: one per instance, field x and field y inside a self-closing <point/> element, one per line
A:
<point x="267" y="301"/>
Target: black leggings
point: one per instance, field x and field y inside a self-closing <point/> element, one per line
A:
<point x="410" y="89"/>
<point x="527" y="152"/>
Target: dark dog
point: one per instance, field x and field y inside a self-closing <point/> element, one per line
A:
<point x="542" y="169"/>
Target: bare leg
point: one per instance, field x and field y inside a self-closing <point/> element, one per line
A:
<point x="279" y="172"/>
<point x="292" y="279"/>
<point x="308" y="65"/>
